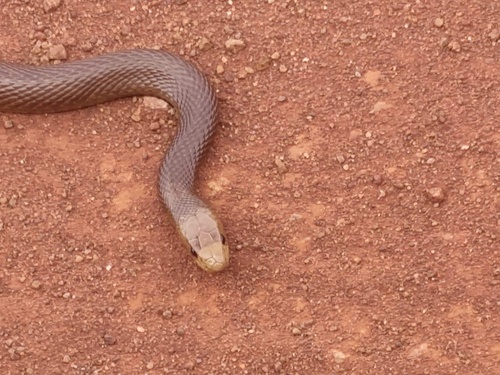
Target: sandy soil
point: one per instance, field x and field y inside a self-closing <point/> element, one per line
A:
<point x="355" y="169"/>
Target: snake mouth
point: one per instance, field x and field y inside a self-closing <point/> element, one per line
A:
<point x="214" y="266"/>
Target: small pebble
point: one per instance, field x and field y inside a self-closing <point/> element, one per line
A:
<point x="154" y="126"/>
<point x="338" y="356"/>
<point x="125" y="30"/>
<point x="204" y="44"/>
<point x="494" y="35"/>
<point x="13" y="201"/>
<point x="262" y="63"/>
<point x="234" y="45"/>
<point x="443" y="42"/>
<point x="355" y="134"/>
<point x="340" y="157"/>
<point x="438" y="22"/>
<point x="377" y="179"/>
<point x="40" y="36"/>
<point x="435" y="194"/>
<point x="454" y="46"/>
<point x="280" y="164"/>
<point x="57" y="52"/>
<point x="8" y="124"/>
<point x="86" y="46"/>
<point x="154" y="103"/>
<point x="109" y="340"/>
<point x="51" y="5"/>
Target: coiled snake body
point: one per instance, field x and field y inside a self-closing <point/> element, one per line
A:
<point x="79" y="84"/>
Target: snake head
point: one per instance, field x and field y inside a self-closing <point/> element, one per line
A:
<point x="206" y="240"/>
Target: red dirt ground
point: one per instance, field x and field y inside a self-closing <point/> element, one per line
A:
<point x="355" y="169"/>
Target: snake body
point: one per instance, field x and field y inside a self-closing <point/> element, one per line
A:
<point x="79" y="84"/>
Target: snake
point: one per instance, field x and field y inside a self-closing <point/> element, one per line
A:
<point x="53" y="88"/>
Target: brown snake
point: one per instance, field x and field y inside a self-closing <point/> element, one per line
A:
<point x="79" y="84"/>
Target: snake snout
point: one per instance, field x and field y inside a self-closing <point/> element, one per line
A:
<point x="214" y="266"/>
<point x="213" y="258"/>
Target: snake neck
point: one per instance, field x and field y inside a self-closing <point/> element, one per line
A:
<point x="178" y="169"/>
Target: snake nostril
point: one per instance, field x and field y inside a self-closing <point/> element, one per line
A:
<point x="194" y="253"/>
<point x="223" y="239"/>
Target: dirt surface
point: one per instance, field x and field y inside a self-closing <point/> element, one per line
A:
<point x="355" y="169"/>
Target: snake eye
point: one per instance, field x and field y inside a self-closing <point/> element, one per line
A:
<point x="223" y="239"/>
<point x="194" y="253"/>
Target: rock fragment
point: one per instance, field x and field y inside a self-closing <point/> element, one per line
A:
<point x="435" y="194"/>
<point x="494" y="35"/>
<point x="51" y="5"/>
<point x="57" y="52"/>
<point x="438" y="22"/>
<point x="234" y="45"/>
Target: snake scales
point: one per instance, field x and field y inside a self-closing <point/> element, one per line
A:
<point x="79" y="84"/>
